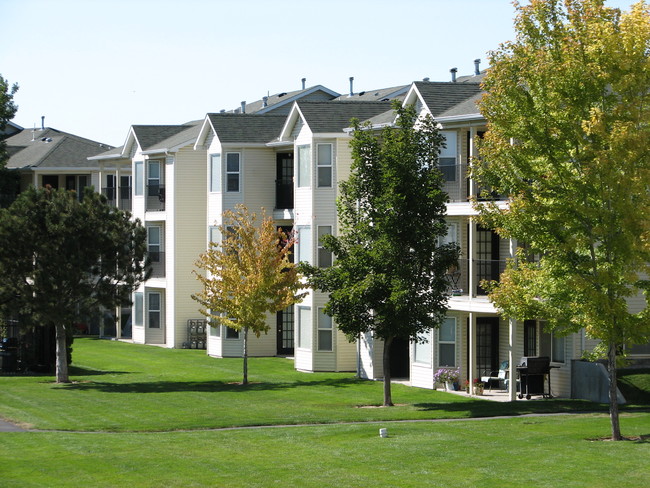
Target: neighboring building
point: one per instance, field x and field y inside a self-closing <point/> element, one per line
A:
<point x="52" y="157"/>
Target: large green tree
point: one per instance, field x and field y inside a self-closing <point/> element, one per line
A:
<point x="7" y="111"/>
<point x="61" y="258"/>
<point x="388" y="277"/>
<point x="568" y="111"/>
<point x="247" y="275"/>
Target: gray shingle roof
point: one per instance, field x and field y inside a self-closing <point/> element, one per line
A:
<point x="324" y="117"/>
<point x="281" y="102"/>
<point x="440" y="97"/>
<point x="186" y="133"/>
<point x="51" y="148"/>
<point x="381" y="94"/>
<point x="149" y="136"/>
<point x="246" y="128"/>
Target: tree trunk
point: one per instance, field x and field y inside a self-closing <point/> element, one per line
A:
<point x="613" y="399"/>
<point x="61" y="355"/>
<point x="245" y="381"/>
<point x="388" y="400"/>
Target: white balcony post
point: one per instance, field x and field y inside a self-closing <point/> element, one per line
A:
<point x="472" y="353"/>
<point x="472" y="155"/>
<point x="470" y="259"/>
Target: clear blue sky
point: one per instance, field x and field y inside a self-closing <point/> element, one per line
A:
<point x="95" y="67"/>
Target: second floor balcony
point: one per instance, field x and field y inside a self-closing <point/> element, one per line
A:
<point x="118" y="197"/>
<point x="479" y="270"/>
<point x="155" y="198"/>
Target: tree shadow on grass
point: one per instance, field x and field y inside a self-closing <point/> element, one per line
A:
<point x="483" y="408"/>
<point x="201" y="386"/>
<point x="82" y="371"/>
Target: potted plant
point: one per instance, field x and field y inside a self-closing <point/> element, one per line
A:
<point x="447" y="377"/>
<point x="478" y="387"/>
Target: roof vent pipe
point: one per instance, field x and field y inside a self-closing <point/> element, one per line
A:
<point x="426" y="79"/>
<point x="303" y="82"/>
<point x="351" y="86"/>
<point x="265" y="101"/>
<point x="453" y="74"/>
<point x="243" y="107"/>
<point x="477" y="70"/>
<point x="42" y="122"/>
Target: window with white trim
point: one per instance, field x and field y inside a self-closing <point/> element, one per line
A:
<point x="139" y="178"/>
<point x="304" y="243"/>
<point x="552" y="345"/>
<point x="214" y="236"/>
<point x="448" y="154"/>
<point x="447" y="342"/>
<point x="153" y="178"/>
<point x="215" y="173"/>
<point x="304" y="166"/>
<point x="324" y="256"/>
<point x="422" y="351"/>
<point x="304" y="327"/>
<point x="325" y="331"/>
<point x="138" y="304"/>
<point x="154" y="310"/>
<point x="452" y="235"/>
<point x="233" y="172"/>
<point x="324" y="165"/>
<point x="232" y="333"/>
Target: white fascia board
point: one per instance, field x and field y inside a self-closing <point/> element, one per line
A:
<point x="279" y="144"/>
<point x="203" y="133"/>
<point x="460" y="118"/>
<point x="412" y="94"/>
<point x="106" y="156"/>
<point x="328" y="135"/>
<point x="290" y="122"/>
<point x="81" y="169"/>
<point x="243" y="145"/>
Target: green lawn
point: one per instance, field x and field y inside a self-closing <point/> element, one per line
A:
<point x="144" y="395"/>
<point x="125" y="387"/>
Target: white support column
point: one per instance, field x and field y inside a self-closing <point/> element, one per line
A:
<point x="512" y="374"/>
<point x="471" y="363"/>
<point x="472" y="154"/>
<point x="470" y="259"/>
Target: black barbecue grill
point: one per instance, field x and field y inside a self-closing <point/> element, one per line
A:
<point x="533" y="371"/>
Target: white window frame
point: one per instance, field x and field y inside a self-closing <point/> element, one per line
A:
<point x="325" y="327"/>
<point x="558" y="344"/>
<point x="215" y="173"/>
<point x="451" y="237"/>
<point x="448" y="157"/>
<point x="231" y="172"/>
<point x="154" y="163"/>
<point x="324" y="254"/>
<point x="304" y="165"/>
<point x="139" y="178"/>
<point x="442" y="342"/>
<point x="323" y="166"/>
<point x="151" y="310"/>
<point x="304" y="244"/>
<point x="422" y="352"/>
<point x="231" y="334"/>
<point x="304" y="329"/>
<point x="138" y="309"/>
<point x="214" y="236"/>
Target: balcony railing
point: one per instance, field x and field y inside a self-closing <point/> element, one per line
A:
<point x="488" y="270"/>
<point x="118" y="197"/>
<point x="155" y="198"/>
<point x="157" y="260"/>
<point x="283" y="194"/>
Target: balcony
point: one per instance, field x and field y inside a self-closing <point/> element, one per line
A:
<point x="118" y="197"/>
<point x="283" y="194"/>
<point x="157" y="261"/>
<point x="155" y="201"/>
<point x="480" y="269"/>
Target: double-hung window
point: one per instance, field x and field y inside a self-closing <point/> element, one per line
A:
<point x="153" y="179"/>
<point x="154" y="310"/>
<point x="324" y="256"/>
<point x="233" y="172"/>
<point x="447" y="159"/>
<point x="304" y="166"/>
<point x="324" y="165"/>
<point x="215" y="173"/>
<point x="447" y="342"/>
<point x="325" y="331"/>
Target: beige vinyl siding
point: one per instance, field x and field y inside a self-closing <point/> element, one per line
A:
<point x="346" y="352"/>
<point x="190" y="234"/>
<point x="259" y="173"/>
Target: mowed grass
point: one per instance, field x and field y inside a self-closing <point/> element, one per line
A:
<point x="122" y="387"/>
<point x="139" y="416"/>
<point x="532" y="452"/>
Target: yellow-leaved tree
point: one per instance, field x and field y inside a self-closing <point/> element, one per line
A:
<point x="247" y="275"/>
